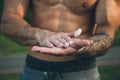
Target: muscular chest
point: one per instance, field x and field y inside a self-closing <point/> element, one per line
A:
<point x="74" y="5"/>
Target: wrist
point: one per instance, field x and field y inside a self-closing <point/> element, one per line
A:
<point x="40" y="36"/>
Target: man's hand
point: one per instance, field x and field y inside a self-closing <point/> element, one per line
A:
<point x="76" y="44"/>
<point x="53" y="39"/>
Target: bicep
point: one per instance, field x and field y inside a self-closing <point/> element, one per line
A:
<point x="107" y="17"/>
<point x="18" y="7"/>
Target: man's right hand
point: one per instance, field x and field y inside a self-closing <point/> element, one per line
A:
<point x="52" y="39"/>
<point x="56" y="39"/>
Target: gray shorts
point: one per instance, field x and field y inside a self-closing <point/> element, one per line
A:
<point x="32" y="74"/>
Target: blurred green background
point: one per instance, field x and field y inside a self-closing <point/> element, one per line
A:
<point x="8" y="47"/>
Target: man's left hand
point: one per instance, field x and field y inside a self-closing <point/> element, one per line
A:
<point x="74" y="47"/>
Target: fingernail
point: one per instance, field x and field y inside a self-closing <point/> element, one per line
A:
<point x="67" y="45"/>
<point x="50" y="46"/>
<point x="78" y="32"/>
<point x="70" y="42"/>
<point x="60" y="46"/>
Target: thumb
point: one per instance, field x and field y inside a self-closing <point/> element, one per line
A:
<point x="71" y="34"/>
<point x="80" y="43"/>
<point x="75" y="33"/>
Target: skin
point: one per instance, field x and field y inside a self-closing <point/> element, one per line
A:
<point x="54" y="22"/>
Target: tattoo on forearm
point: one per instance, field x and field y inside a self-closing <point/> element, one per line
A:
<point x="99" y="45"/>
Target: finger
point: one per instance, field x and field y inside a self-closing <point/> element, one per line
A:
<point x="66" y="38"/>
<point x="45" y="50"/>
<point x="54" y="51"/>
<point x="50" y="45"/>
<point x="35" y="48"/>
<point x="58" y="51"/>
<point x="80" y="43"/>
<point x="71" y="34"/>
<point x="76" y="33"/>
<point x="47" y="43"/>
<point x="67" y="45"/>
<point x="85" y="42"/>
<point x="62" y="40"/>
<point x="56" y="43"/>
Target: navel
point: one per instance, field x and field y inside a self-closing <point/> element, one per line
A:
<point x="85" y="4"/>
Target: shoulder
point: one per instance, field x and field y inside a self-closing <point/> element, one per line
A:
<point x="16" y="6"/>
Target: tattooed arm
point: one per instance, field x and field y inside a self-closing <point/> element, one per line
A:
<point x="100" y="43"/>
<point x="107" y="13"/>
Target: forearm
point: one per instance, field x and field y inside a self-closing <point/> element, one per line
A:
<point x="18" y="30"/>
<point x="99" y="45"/>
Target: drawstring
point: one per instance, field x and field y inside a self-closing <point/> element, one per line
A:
<point x="54" y="76"/>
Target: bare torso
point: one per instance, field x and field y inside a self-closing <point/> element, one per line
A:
<point x="52" y="20"/>
<point x="63" y="16"/>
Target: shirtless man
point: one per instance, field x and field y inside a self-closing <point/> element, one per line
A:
<point x="53" y="25"/>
